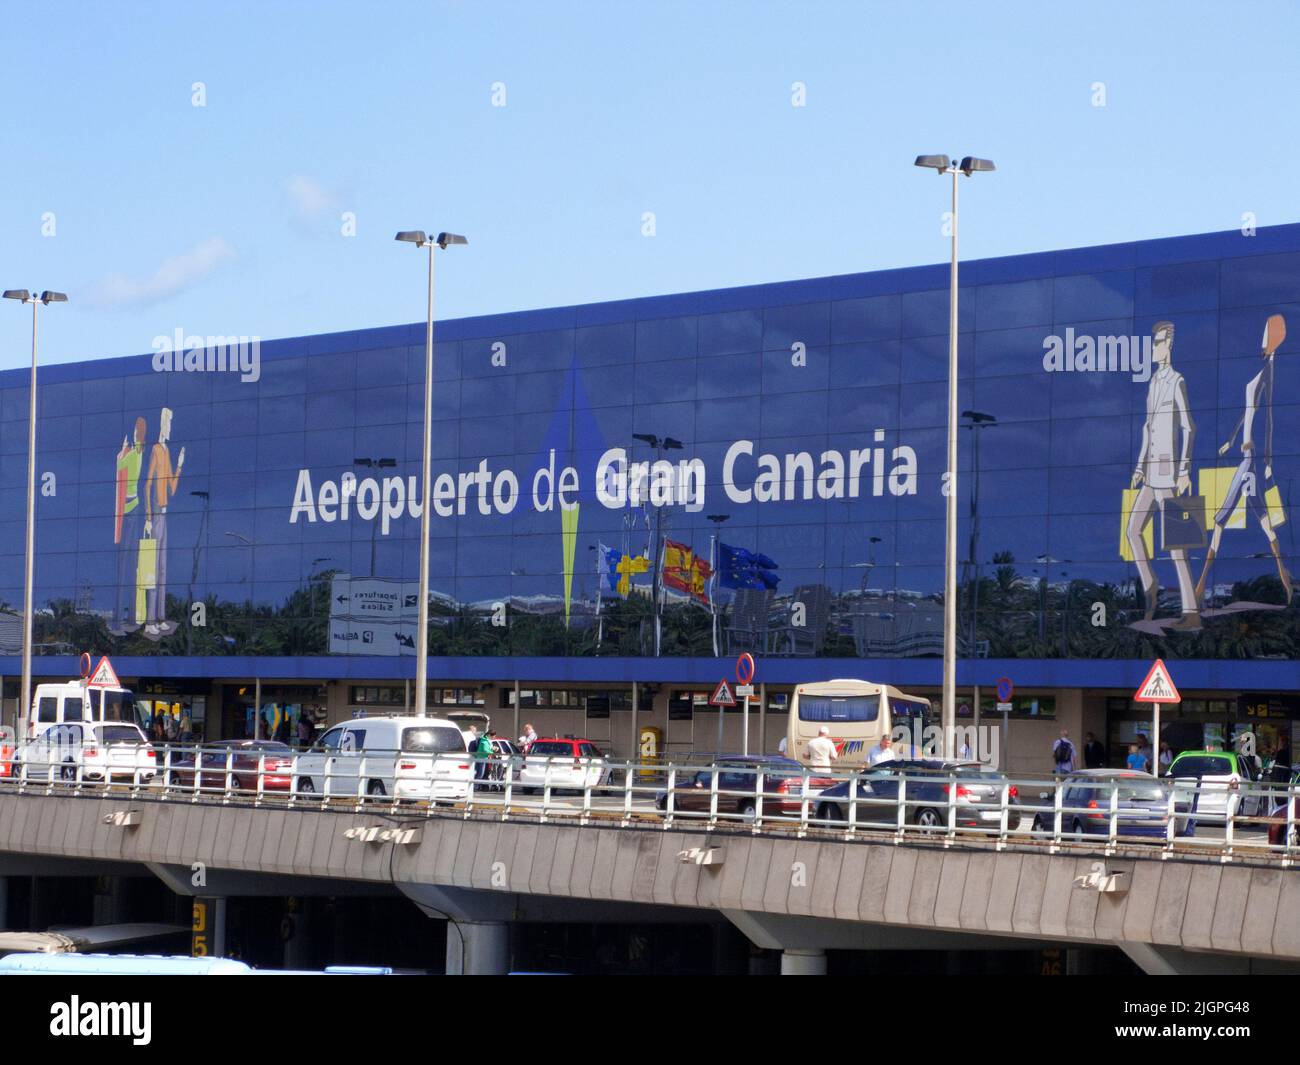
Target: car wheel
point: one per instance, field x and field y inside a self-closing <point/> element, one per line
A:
<point x="1076" y="827"/>
<point x="1038" y="824"/>
<point x="831" y="811"/>
<point x="930" y="819"/>
<point x="376" y="788"/>
<point x="67" y="771"/>
<point x="748" y="810"/>
<point x="235" y="784"/>
<point x="306" y="787"/>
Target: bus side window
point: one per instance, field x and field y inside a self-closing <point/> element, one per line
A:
<point x="72" y="708"/>
<point x="95" y="695"/>
<point x="47" y="709"/>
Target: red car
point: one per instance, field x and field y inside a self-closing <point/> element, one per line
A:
<point x="243" y="757"/>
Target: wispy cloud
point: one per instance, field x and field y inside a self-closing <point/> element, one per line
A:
<point x="174" y="275"/>
<point x="307" y="198"/>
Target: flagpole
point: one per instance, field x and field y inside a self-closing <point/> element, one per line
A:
<point x="713" y="609"/>
<point x="601" y="568"/>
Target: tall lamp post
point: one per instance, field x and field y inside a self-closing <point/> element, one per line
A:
<point x="717" y="520"/>
<point x="968" y="166"/>
<point x="25" y="697"/>
<point x="420" y="240"/>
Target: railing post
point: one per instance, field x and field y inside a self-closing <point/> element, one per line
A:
<point x="900" y="827"/>
<point x="508" y="787"/>
<point x="261" y="778"/>
<point x="851" y="829"/>
<point x="713" y="794"/>
<point x="627" y="794"/>
<point x="803" y="803"/>
<point x="1229" y="822"/>
<point x="1112" y="839"/>
<point x="1057" y="796"/>
<point x="230" y="761"/>
<point x="760" y="790"/>
<point x="1004" y="812"/>
<point x="671" y="796"/>
<point x="587" y="786"/>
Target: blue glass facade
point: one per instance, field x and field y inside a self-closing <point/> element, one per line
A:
<point x="812" y="414"/>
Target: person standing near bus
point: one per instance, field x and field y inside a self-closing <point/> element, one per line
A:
<point x="882" y="751"/>
<point x="821" y="749"/>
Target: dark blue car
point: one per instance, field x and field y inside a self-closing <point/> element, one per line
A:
<point x="977" y="799"/>
<point x="1142" y="805"/>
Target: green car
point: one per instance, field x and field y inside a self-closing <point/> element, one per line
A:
<point x="1228" y="783"/>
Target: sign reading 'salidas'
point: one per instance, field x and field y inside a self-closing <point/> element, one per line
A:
<point x="373" y="616"/>
<point x="619" y="483"/>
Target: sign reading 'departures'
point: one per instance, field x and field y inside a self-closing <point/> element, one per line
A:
<point x="618" y="483"/>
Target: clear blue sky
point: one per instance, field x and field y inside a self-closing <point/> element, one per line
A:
<point x="226" y="218"/>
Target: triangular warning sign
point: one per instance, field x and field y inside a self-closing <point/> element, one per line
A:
<point x="104" y="677"/>
<point x="722" y="695"/>
<point x="1158" y="687"/>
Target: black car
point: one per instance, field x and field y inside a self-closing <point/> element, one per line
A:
<point x="929" y="782"/>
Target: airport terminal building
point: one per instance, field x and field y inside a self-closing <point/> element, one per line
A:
<point x="626" y="495"/>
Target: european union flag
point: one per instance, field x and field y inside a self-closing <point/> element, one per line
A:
<point x="740" y="568"/>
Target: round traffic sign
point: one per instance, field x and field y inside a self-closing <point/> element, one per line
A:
<point x="85" y="664"/>
<point x="745" y="668"/>
<point x="1005" y="689"/>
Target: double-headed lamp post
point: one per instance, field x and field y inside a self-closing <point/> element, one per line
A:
<point x="420" y="240"/>
<point x="968" y="166"/>
<point x="25" y="697"/>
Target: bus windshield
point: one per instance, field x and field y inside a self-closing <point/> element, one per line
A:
<point x="830" y="709"/>
<point x="108" y="705"/>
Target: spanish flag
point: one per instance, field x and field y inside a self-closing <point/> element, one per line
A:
<point x="685" y="572"/>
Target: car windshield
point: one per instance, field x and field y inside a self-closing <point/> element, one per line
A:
<point x="552" y="747"/>
<point x="119" y="734"/>
<point x="432" y="739"/>
<point x="1203" y="765"/>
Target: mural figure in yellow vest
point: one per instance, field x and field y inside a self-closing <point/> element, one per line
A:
<point x="1164" y="469"/>
<point x="128" y="517"/>
<point x="160" y="487"/>
<point x="1245" y="484"/>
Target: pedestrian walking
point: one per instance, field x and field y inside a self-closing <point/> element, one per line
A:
<point x="882" y="751"/>
<point x="821" y="749"/>
<point x="1063" y="754"/>
<point x="1094" y="754"/>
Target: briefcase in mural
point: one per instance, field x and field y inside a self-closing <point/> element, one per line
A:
<point x="1182" y="523"/>
<point x="146" y="577"/>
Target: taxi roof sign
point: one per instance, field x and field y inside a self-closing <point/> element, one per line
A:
<point x="104" y="677"/>
<point x="1158" y="687"/>
<point x="722" y="695"/>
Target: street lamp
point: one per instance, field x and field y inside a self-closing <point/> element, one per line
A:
<point x="442" y="240"/>
<point x="25" y="697"/>
<point x="668" y="443"/>
<point x="968" y="166"/>
<point x="975" y="421"/>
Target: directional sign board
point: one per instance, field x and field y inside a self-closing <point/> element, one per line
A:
<point x="722" y="695"/>
<point x="1158" y="687"/>
<point x="104" y="677"/>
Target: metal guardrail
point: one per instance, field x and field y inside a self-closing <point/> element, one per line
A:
<point x="1194" y="817"/>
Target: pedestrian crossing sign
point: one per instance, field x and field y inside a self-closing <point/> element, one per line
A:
<point x="1158" y="687"/>
<point x="104" y="676"/>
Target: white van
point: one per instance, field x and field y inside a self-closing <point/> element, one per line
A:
<point x="413" y="758"/>
<point x="74" y="702"/>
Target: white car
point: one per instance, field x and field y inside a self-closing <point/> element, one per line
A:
<point x="101" y="751"/>
<point x="414" y="758"/>
<point x="562" y="763"/>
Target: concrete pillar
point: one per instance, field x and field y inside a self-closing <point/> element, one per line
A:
<point x="803" y="963"/>
<point x="478" y="948"/>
